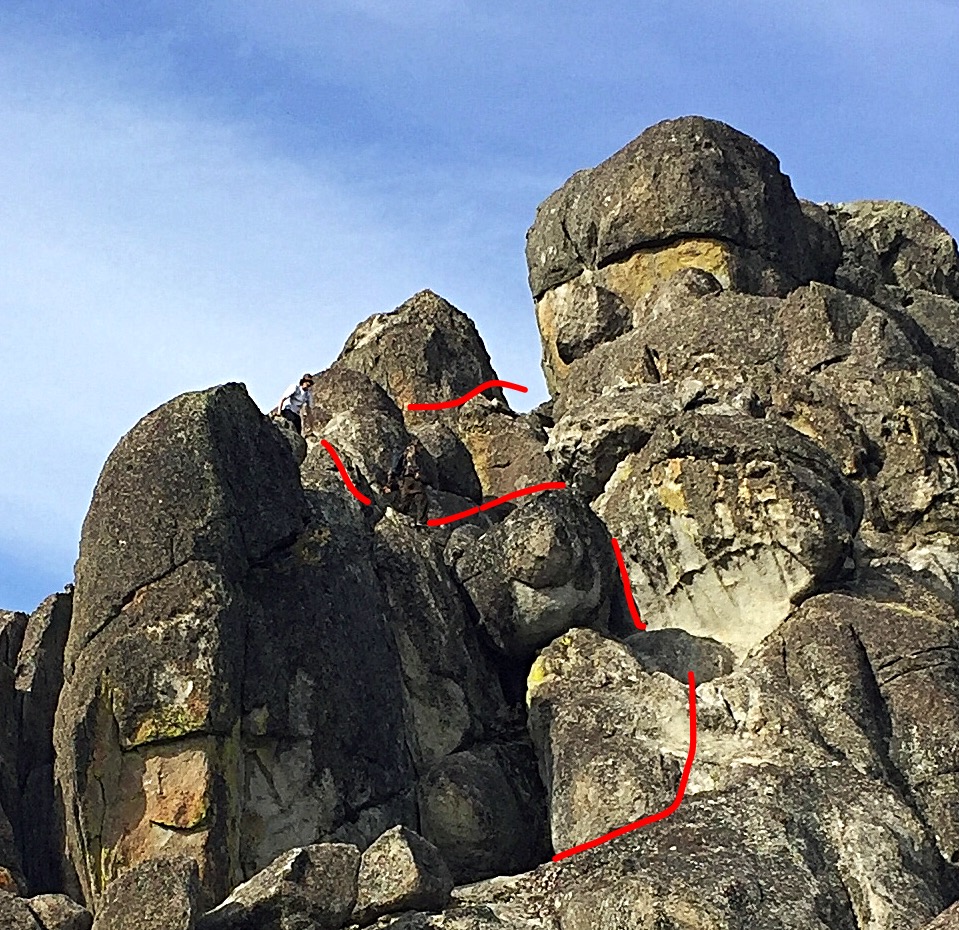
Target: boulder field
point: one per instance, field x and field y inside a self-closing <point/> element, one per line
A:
<point x="269" y="704"/>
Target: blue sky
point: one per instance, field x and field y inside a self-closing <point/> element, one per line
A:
<point x="197" y="193"/>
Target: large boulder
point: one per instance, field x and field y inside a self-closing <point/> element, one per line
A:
<point x="600" y="726"/>
<point x="725" y="522"/>
<point x="451" y="692"/>
<point x="424" y="351"/>
<point x="313" y="886"/>
<point x="157" y="895"/>
<point x="360" y="420"/>
<point x="547" y="567"/>
<point x="211" y="702"/>
<point x="686" y="193"/>
<point x="472" y="803"/>
<point x="401" y="871"/>
<point x="885" y="242"/>
<point x="427" y="351"/>
<point x="881" y="681"/>
<point x="204" y="478"/>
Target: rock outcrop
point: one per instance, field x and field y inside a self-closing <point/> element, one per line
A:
<point x="281" y="704"/>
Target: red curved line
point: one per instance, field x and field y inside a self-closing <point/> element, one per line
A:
<point x="663" y="814"/>
<point x="362" y="498"/>
<point x="446" y="404"/>
<point x="543" y="486"/>
<point x="627" y="587"/>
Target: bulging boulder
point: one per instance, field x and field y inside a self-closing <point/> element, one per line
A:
<point x="725" y="522"/>
<point x="547" y="567"/>
<point x="360" y="420"/>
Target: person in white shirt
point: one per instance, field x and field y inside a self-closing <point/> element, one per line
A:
<point x="294" y="399"/>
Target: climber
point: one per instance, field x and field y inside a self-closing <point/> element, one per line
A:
<point x="404" y="484"/>
<point x="296" y="397"/>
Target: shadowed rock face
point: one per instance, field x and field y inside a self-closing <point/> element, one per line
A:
<point x="757" y="396"/>
<point x="265" y="684"/>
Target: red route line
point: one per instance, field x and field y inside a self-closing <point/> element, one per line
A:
<point x="362" y="498"/>
<point x="543" y="486"/>
<point x="663" y="814"/>
<point x="627" y="587"/>
<point x="446" y="404"/>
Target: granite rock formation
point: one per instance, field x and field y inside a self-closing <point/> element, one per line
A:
<point x="279" y="706"/>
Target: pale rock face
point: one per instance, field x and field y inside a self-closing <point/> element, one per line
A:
<point x="725" y="522"/>
<point x="769" y="781"/>
<point x="400" y="871"/>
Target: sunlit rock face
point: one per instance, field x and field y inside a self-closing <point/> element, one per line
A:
<point x="286" y="704"/>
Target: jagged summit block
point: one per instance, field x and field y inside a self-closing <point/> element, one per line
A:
<point x="689" y="192"/>
<point x="424" y="351"/>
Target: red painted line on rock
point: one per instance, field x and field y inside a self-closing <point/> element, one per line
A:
<point x="446" y="404"/>
<point x="532" y="489"/>
<point x="362" y="498"/>
<point x="663" y="814"/>
<point x="627" y="587"/>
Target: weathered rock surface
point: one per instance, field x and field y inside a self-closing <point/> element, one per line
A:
<point x="686" y="193"/>
<point x="947" y="920"/>
<point x="424" y="351"/>
<point x="262" y="676"/>
<point x="546" y="568"/>
<point x="15" y="913"/>
<point x="58" y="912"/>
<point x="675" y="652"/>
<point x="311" y="887"/>
<point x="471" y="803"/>
<point x="427" y="351"/>
<point x="891" y="243"/>
<point x="725" y="522"/>
<point x="360" y="420"/>
<point x="160" y="894"/>
<point x="400" y="871"/>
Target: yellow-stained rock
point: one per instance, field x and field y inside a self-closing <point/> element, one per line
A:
<point x="176" y="786"/>
<point x="635" y="277"/>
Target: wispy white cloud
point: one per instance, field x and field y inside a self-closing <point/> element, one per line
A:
<point x="148" y="252"/>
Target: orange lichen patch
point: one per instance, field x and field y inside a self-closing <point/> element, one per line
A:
<point x="7" y="882"/>
<point x="176" y="788"/>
